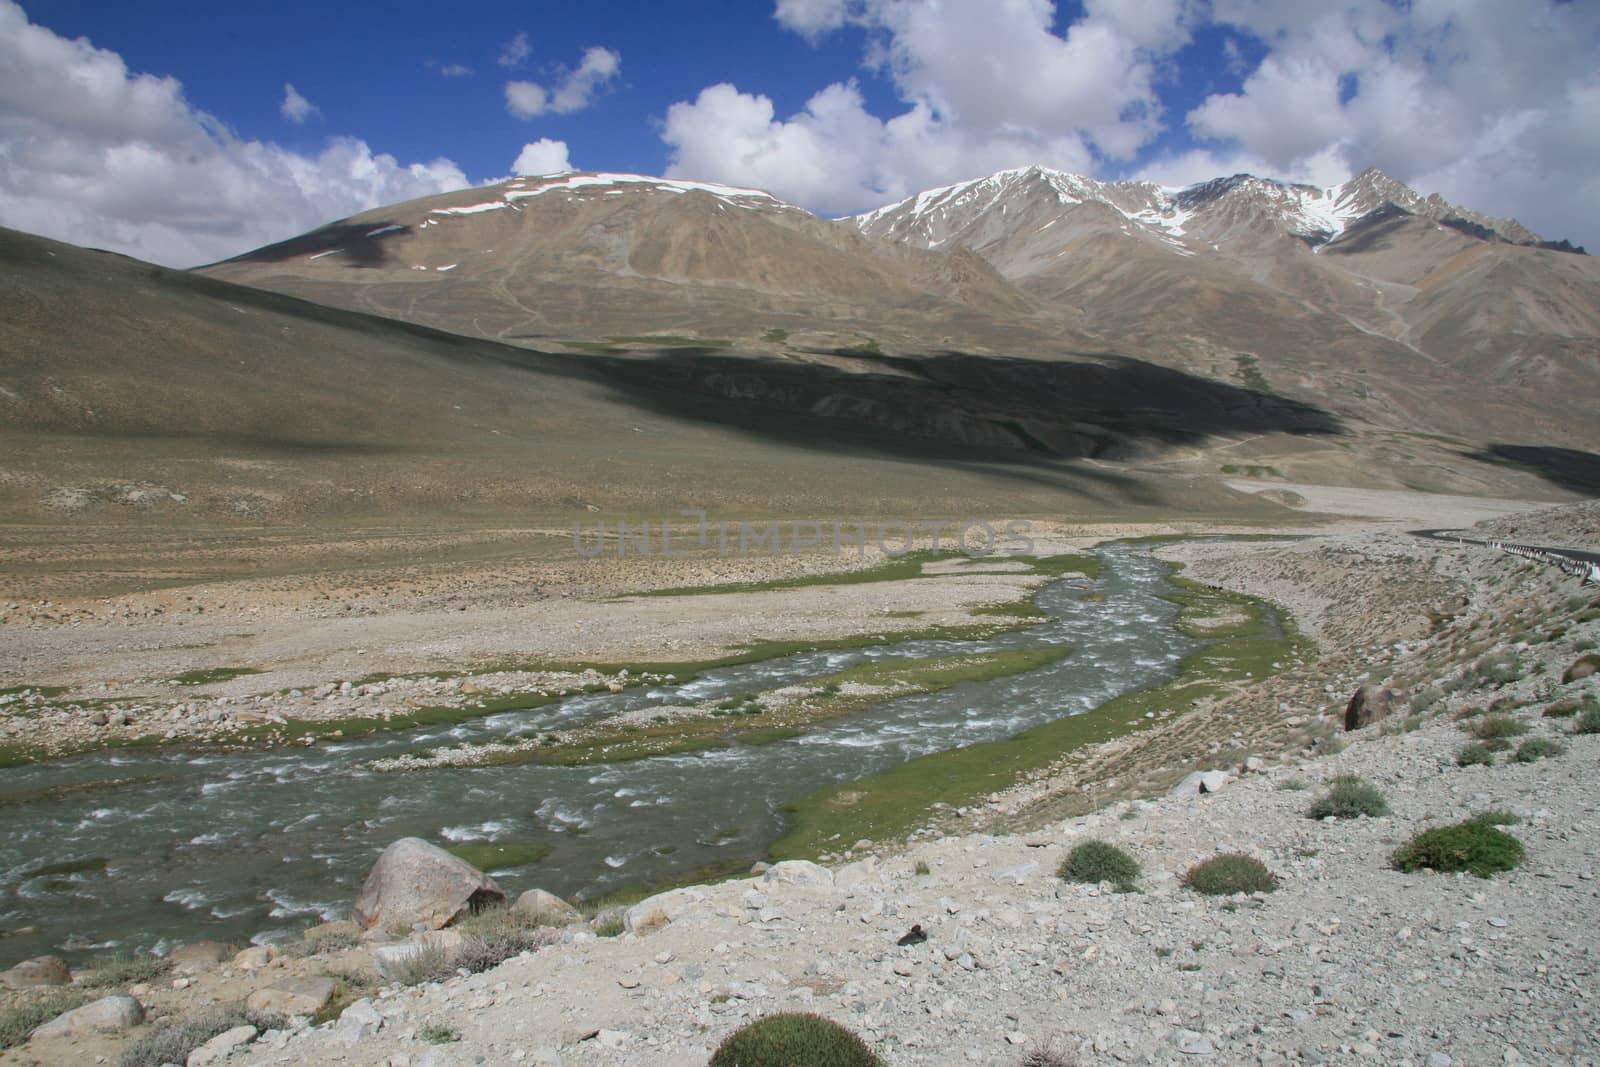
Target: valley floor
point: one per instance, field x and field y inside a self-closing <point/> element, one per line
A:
<point x="1349" y="961"/>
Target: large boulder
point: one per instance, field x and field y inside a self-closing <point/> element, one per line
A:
<point x="199" y="957"/>
<point x="417" y="884"/>
<point x="119" y="1012"/>
<point x="1370" y="704"/>
<point x="652" y="913"/>
<point x="293" y="996"/>
<point x="801" y="873"/>
<point x="1198" y="783"/>
<point x="39" y="971"/>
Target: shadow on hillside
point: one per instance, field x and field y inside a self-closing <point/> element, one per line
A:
<point x="358" y="244"/>
<point x="1569" y="468"/>
<point x="1023" y="416"/>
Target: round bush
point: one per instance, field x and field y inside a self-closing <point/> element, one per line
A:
<point x="1473" y="846"/>
<point x="1094" y="862"/>
<point x="1535" y="749"/>
<point x="1229" y="873"/>
<point x="1348" y="798"/>
<point x="793" y="1039"/>
<point x="1474" y="755"/>
<point x="1588" y="722"/>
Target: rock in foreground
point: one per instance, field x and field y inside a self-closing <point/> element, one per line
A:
<point x="415" y="883"/>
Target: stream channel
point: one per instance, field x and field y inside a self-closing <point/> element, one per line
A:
<point x="244" y="846"/>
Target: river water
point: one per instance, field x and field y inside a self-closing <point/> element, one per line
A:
<point x="251" y="846"/>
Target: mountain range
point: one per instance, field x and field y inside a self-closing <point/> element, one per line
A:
<point x="1117" y="340"/>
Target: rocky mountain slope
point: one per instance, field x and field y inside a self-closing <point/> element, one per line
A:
<point x="540" y="260"/>
<point x="1434" y="335"/>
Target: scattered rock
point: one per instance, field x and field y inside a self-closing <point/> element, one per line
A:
<point x="799" y="873"/>
<point x="255" y="957"/>
<point x="415" y="882"/>
<point x="546" y="908"/>
<point x="358" y="1022"/>
<point x="221" y="1047"/>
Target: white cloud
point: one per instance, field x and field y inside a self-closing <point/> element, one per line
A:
<point x="448" y="70"/>
<point x="516" y="51"/>
<point x="811" y="18"/>
<point x="100" y="156"/>
<point x="543" y="156"/>
<point x="295" y="107"/>
<point x="834" y="156"/>
<point x="986" y="84"/>
<point x="573" y="91"/>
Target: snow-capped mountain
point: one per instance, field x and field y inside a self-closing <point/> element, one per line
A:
<point x="1209" y="214"/>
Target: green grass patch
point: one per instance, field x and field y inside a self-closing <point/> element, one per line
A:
<point x="888" y="805"/>
<point x="46" y="691"/>
<point x="789" y="1039"/>
<point x="1535" y="749"/>
<point x="1476" y="754"/>
<point x="769" y="737"/>
<point x="672" y="340"/>
<point x="212" y="675"/>
<point x="1588" y="721"/>
<point x="775" y="336"/>
<point x="500" y="855"/>
<point x="898" y="569"/>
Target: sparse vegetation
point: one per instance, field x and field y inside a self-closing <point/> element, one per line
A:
<point x="173" y="1042"/>
<point x="1475" y="754"/>
<point x="213" y="675"/>
<point x="1588" y="721"/>
<point x="1582" y="667"/>
<point x="1498" y="728"/>
<point x="1230" y="873"/>
<point x="1094" y="862"/>
<point x="1535" y="749"/>
<point x="119" y="972"/>
<point x="1347" y="798"/>
<point x="437" y="1034"/>
<point x="489" y="938"/>
<point x="1500" y="667"/>
<point x="789" y="1039"/>
<point x="21" y="1019"/>
<point x="922" y="867"/>
<point x="1473" y="846"/>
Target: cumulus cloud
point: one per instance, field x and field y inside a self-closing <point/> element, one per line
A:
<point x="985" y="84"/>
<point x="516" y="51"/>
<point x="98" y="155"/>
<point x="573" y="91"/>
<point x="295" y="107"/>
<point x="1491" y="105"/>
<point x="448" y="70"/>
<point x="543" y="156"/>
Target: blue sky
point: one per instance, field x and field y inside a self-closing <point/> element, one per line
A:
<point x="167" y="130"/>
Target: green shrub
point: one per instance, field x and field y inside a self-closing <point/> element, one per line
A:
<point x="1229" y="873"/>
<point x="173" y="1043"/>
<point x="1474" y="755"/>
<point x="23" y="1018"/>
<point x="1472" y="711"/>
<point x="1500" y="667"/>
<point x="1498" y="727"/>
<point x="1348" y="798"/>
<point x="1588" y="722"/>
<point x="793" y="1039"/>
<point x="1472" y="846"/>
<point x="1535" y="749"/>
<point x="1496" y="817"/>
<point x="1093" y="862"/>
<point x="435" y="1034"/>
<point x="1425" y="698"/>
